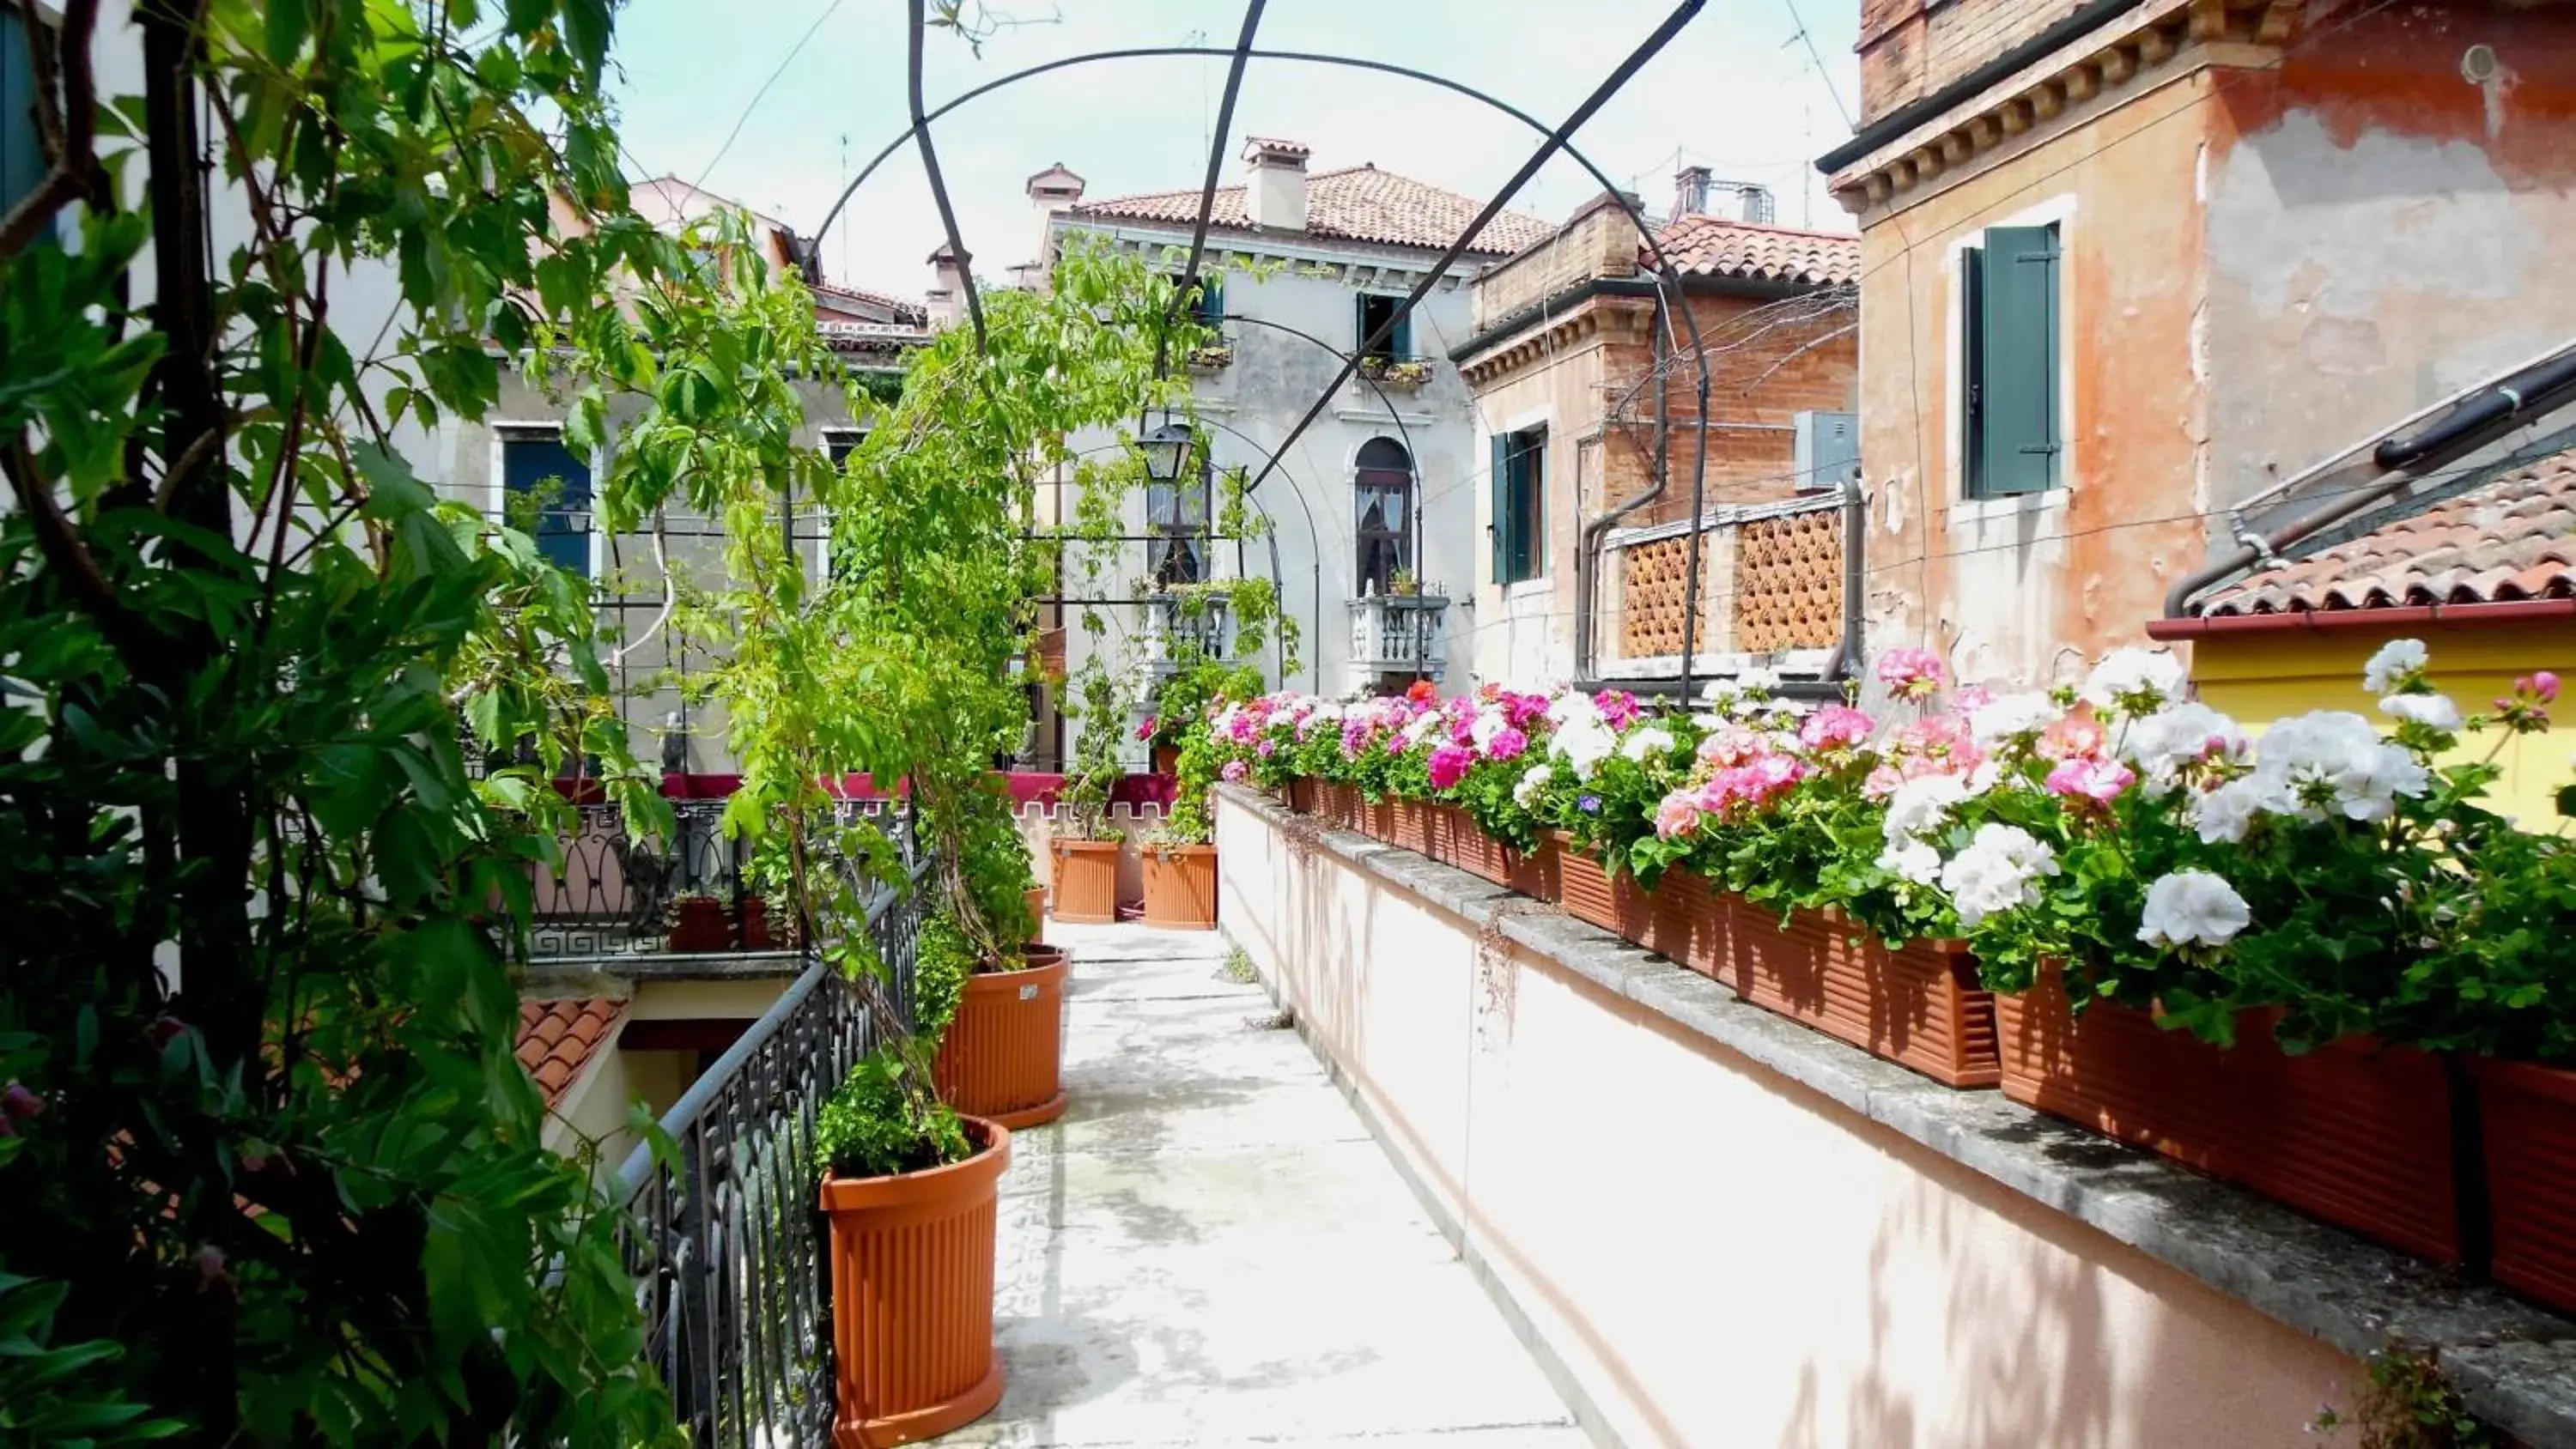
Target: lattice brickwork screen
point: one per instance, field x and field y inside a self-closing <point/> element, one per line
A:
<point x="1653" y="596"/>
<point x="1788" y="582"/>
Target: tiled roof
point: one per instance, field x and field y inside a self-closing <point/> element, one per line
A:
<point x="2508" y="540"/>
<point x="558" y="1038"/>
<point x="1708" y="246"/>
<point x="1277" y="147"/>
<point x="826" y="292"/>
<point x="1358" y="203"/>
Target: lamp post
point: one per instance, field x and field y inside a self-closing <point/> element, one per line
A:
<point x="1166" y="449"/>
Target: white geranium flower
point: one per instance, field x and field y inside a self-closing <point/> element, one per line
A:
<point x="1998" y="872"/>
<point x="1911" y="860"/>
<point x="2335" y="762"/>
<point x="1423" y="728"/>
<point x="2436" y="710"/>
<point x="1583" y="745"/>
<point x="2393" y="664"/>
<point x="2192" y="908"/>
<point x="1652" y="740"/>
<point x="2135" y="680"/>
<point x="1532" y="780"/>
<point x="1758" y="679"/>
<point x="1489" y="722"/>
<point x="2162" y="744"/>
<point x="1920" y="805"/>
<point x="2224" y="815"/>
<point x="2010" y="717"/>
<point x="1572" y="709"/>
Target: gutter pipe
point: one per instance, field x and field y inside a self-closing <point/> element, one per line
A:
<point x="2327" y="621"/>
<point x="2476" y="417"/>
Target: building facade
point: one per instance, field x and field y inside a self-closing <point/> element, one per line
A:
<point x="1372" y="513"/>
<point x="2128" y="265"/>
<point x="1586" y="379"/>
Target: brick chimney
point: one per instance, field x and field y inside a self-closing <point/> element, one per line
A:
<point x="1274" y="195"/>
<point x="1690" y="191"/>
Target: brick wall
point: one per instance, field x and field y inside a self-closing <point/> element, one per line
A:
<point x="1909" y="49"/>
<point x="1768" y="362"/>
<point x="1600" y="241"/>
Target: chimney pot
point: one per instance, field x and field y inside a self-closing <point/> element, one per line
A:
<point x="1274" y="194"/>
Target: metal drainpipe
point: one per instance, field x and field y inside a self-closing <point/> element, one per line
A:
<point x="1846" y="660"/>
<point x="1692" y="554"/>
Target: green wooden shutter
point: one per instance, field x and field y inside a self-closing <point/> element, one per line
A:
<point x="1529" y="535"/>
<point x="2016" y="378"/>
<point x="1501" y="488"/>
<point x="1400" y="342"/>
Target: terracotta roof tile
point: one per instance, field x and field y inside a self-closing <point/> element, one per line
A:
<point x="557" y="1039"/>
<point x="1358" y="203"/>
<point x="2501" y="542"/>
<point x="1708" y="246"/>
<point x="826" y="292"/>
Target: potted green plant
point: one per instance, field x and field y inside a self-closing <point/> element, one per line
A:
<point x="909" y="1191"/>
<point x="984" y="988"/>
<point x="700" y="923"/>
<point x="1084" y="846"/>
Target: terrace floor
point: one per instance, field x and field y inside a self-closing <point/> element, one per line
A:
<point x="1210" y="1249"/>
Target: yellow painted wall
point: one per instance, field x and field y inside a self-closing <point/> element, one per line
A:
<point x="2259" y="678"/>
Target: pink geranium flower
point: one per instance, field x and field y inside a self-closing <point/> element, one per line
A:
<point x="1836" y="727"/>
<point x="1235" y="770"/>
<point x="1618" y="708"/>
<point x="2075" y="737"/>
<point x="1449" y="765"/>
<point x="2097" y="782"/>
<point x="1507" y="744"/>
<point x="1911" y="673"/>
<point x="1677" y="815"/>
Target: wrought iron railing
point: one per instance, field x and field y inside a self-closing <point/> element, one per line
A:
<point x="726" y="1242"/>
<point x="610" y="894"/>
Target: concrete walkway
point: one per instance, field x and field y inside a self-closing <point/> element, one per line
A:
<point x="1209" y="1249"/>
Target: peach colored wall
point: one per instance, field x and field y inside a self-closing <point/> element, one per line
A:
<point x="2020" y="591"/>
<point x="1718" y="1256"/>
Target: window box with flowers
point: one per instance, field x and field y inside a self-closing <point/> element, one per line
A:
<point x="2300" y="965"/>
<point x="1399" y="373"/>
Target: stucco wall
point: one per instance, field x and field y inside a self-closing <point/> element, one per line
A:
<point x="2023" y="590"/>
<point x="2382" y="230"/>
<point x="1720" y="1257"/>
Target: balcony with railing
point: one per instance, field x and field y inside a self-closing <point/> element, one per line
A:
<point x="1404" y="634"/>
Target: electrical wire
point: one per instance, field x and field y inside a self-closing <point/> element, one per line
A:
<point x="763" y="93"/>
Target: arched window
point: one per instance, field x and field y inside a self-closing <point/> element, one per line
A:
<point x="1384" y="488"/>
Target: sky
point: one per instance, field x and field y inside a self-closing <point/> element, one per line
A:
<point x="1737" y="91"/>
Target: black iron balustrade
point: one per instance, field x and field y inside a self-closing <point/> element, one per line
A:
<point x="727" y="1245"/>
<point x="610" y="893"/>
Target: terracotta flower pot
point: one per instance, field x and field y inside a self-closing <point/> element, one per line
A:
<point x="2354" y="1133"/>
<point x="912" y="1297"/>
<point x="701" y="924"/>
<point x="1086" y="881"/>
<point x="1588" y="893"/>
<point x="1037" y="903"/>
<point x="1167" y="759"/>
<point x="1180" y="886"/>
<point x="755" y="925"/>
<point x="2529" y="1115"/>
<point x="1919" y="1005"/>
<point x="1003" y="1057"/>
<point x="1301" y="795"/>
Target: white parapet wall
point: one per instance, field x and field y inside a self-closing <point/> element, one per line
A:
<point x="1705" y="1249"/>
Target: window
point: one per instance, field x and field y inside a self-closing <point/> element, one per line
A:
<point x="1384" y="484"/>
<point x="839" y="444"/>
<point x="1520" y="504"/>
<point x="842" y="442"/>
<point x="22" y="156"/>
<point x="2009" y="307"/>
<point x="1377" y="312"/>
<point x="1176" y="515"/>
<point x="1208" y="307"/>
<point x="547" y="493"/>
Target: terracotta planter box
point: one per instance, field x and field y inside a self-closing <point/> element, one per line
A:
<point x="1180" y="886"/>
<point x="2353" y="1133"/>
<point x="912" y="1297"/>
<point x="2529" y="1115"/>
<point x="1086" y="881"/>
<point x="1003" y="1057"/>
<point x="1338" y="806"/>
<point x="1301" y="795"/>
<point x="1456" y="839"/>
<point x="1918" y="1005"/>
<point x="1410" y="825"/>
<point x="1587" y="892"/>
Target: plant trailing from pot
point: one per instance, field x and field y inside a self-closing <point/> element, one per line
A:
<point x="1398" y="372"/>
